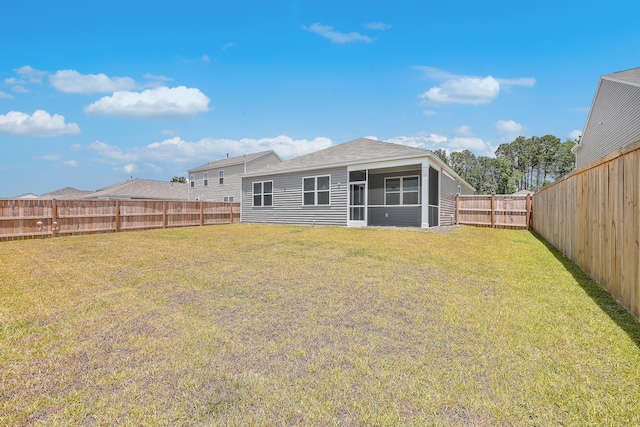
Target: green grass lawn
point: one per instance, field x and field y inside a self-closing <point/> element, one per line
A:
<point x="282" y="325"/>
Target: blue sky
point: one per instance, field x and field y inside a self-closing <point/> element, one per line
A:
<point x="93" y="93"/>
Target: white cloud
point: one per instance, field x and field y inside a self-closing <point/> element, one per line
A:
<point x="464" y="90"/>
<point x="41" y="123"/>
<point x="471" y="143"/>
<point x="31" y="74"/>
<point x="328" y="32"/>
<point x="575" y="134"/>
<point x="169" y="132"/>
<point x="521" y="81"/>
<point x="375" y="138"/>
<point x="110" y="152"/>
<point x="161" y="78"/>
<point x="463" y="130"/>
<point x="5" y="95"/>
<point x="429" y="113"/>
<point x="176" y="151"/>
<point x="50" y="157"/>
<point x="205" y="58"/>
<point x="377" y="26"/>
<point x="72" y="163"/>
<point x="509" y="129"/>
<point x="71" y="81"/>
<point x="471" y="90"/>
<point x="130" y="168"/>
<point x="13" y="81"/>
<point x="432" y="141"/>
<point x="75" y="147"/>
<point x="420" y="140"/>
<point x="228" y="45"/>
<point x="20" y="89"/>
<point x="152" y="103"/>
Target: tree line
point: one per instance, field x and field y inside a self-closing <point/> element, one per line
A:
<point x="523" y="164"/>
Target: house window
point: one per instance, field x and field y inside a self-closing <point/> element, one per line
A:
<point x="205" y="179"/>
<point x="262" y="193"/>
<point x="192" y="180"/>
<point x="315" y="190"/>
<point x="221" y="177"/>
<point x="228" y="199"/>
<point x="402" y="190"/>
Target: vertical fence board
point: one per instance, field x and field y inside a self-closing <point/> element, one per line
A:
<point x="593" y="217"/>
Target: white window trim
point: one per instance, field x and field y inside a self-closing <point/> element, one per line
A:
<point x="401" y="191"/>
<point x="205" y="179"/>
<point x="192" y="181"/>
<point x="315" y="190"/>
<point x="261" y="194"/>
<point x="221" y="177"/>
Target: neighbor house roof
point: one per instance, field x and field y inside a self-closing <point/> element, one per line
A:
<point x="626" y="76"/>
<point x="362" y="150"/>
<point x="66" y="193"/>
<point x="142" y="189"/>
<point x="232" y="161"/>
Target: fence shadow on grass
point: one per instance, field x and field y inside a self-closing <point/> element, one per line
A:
<point x="598" y="294"/>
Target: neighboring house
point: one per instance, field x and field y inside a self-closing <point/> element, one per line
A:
<point x="26" y="196"/>
<point x="524" y="193"/>
<point x="141" y="189"/>
<point x="358" y="183"/>
<point x="614" y="117"/>
<point x="66" y="193"/>
<point x="220" y="180"/>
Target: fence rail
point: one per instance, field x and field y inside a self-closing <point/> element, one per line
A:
<point x="40" y="218"/>
<point x="496" y="211"/>
<point x="593" y="216"/>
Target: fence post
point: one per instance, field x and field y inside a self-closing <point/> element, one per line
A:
<point x="457" y="207"/>
<point x="117" y="215"/>
<point x="493" y="205"/>
<point x="164" y="214"/>
<point x="201" y="213"/>
<point x="54" y="219"/>
<point x="529" y="208"/>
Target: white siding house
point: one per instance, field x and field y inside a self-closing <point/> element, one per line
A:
<point x="220" y="180"/>
<point x="614" y="117"/>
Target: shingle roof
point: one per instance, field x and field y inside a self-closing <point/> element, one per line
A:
<point x="65" y="193"/>
<point x="142" y="189"/>
<point x="632" y="75"/>
<point x="359" y="150"/>
<point x="238" y="160"/>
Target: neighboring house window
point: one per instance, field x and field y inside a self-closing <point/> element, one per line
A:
<point x="315" y="190"/>
<point x="263" y="193"/>
<point x="402" y="190"/>
<point x="228" y="199"/>
<point x="221" y="177"/>
<point x="231" y="198"/>
<point x="192" y="180"/>
<point x="205" y="179"/>
<point x="459" y="189"/>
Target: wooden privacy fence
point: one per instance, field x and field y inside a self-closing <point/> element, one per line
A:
<point x="32" y="218"/>
<point x="593" y="216"/>
<point x="497" y="211"/>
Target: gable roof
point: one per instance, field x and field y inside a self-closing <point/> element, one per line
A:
<point x="362" y="150"/>
<point x="232" y="161"/>
<point x="356" y="151"/>
<point x="631" y="76"/>
<point x="142" y="189"/>
<point x="65" y="193"/>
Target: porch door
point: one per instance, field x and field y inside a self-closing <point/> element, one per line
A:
<point x="357" y="204"/>
<point x="434" y="197"/>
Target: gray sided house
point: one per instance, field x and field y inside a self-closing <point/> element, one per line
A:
<point x="359" y="183"/>
<point x="614" y="117"/>
<point x="220" y="181"/>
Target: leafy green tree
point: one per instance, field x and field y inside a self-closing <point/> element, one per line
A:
<point x="181" y="179"/>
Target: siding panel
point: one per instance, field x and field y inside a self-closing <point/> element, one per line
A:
<point x="287" y="200"/>
<point x="613" y="123"/>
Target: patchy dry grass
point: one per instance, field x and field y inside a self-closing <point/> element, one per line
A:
<point x="277" y="325"/>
